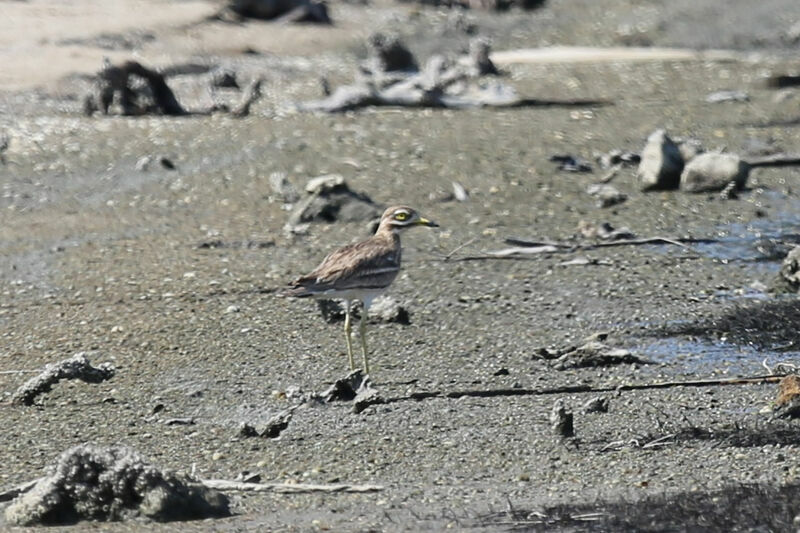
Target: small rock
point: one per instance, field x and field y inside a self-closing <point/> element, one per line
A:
<point x="789" y="274"/>
<point x="596" y="405"/>
<point x="770" y="249"/>
<point x="224" y="78"/>
<point x="248" y="477"/>
<point x="331" y="310"/>
<point x="271" y="429"/>
<point x="282" y="187"/>
<point x="329" y="200"/>
<point x="501" y="372"/>
<point x="232" y="309"/>
<point x="326" y="183"/>
<point x="187" y="421"/>
<point x="595" y="354"/>
<point x="719" y="97"/>
<point x="561" y="420"/>
<point x="607" y="195"/>
<point x="689" y="149"/>
<point x="792" y="36"/>
<point x="387" y="309"/>
<point x="365" y="397"/>
<point x="571" y="163"/>
<point x="479" y="59"/>
<point x="713" y="172"/>
<point x="618" y="157"/>
<point x="345" y="389"/>
<point x="387" y="53"/>
<point x="459" y="192"/>
<point x="143" y="163"/>
<point x="604" y="231"/>
<point x="276" y="424"/>
<point x="592" y="353"/>
<point x="661" y="164"/>
<point x="282" y="11"/>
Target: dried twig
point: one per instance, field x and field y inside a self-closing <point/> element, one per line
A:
<point x="287" y="488"/>
<point x="782" y="368"/>
<point x="459" y="247"/>
<point x="661" y="441"/>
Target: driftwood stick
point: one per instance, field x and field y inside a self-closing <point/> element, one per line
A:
<point x="527" y="242"/>
<point x="677" y="241"/>
<point x="774" y="160"/>
<point x="287" y="488"/>
<point x="576" y="389"/>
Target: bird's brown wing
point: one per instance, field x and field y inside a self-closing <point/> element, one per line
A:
<point x="371" y="264"/>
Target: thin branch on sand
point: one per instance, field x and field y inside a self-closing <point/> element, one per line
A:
<point x="287" y="488"/>
<point x="575" y="389"/>
<point x="234" y="486"/>
<point x="525" y="247"/>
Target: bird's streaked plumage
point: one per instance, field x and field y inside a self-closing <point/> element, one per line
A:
<point x="360" y="271"/>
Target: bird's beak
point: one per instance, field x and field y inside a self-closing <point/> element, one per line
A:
<point x="425" y="222"/>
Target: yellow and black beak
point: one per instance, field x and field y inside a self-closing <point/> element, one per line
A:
<point x="425" y="222"/>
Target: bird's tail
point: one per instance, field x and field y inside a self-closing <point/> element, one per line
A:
<point x="295" y="291"/>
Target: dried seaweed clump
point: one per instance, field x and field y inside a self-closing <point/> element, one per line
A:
<point x="109" y="484"/>
<point x="76" y="367"/>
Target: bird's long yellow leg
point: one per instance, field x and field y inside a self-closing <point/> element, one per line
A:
<point x="363" y="334"/>
<point x="347" y="331"/>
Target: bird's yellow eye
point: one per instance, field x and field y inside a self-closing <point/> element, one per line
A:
<point x="400" y="216"/>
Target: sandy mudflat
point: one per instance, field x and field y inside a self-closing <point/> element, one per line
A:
<point x="101" y="257"/>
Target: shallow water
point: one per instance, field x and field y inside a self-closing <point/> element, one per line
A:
<point x="764" y="241"/>
<point x="702" y="356"/>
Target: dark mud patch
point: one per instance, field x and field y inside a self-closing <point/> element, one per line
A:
<point x="748" y="507"/>
<point x="759" y="433"/>
<point x="771" y="325"/>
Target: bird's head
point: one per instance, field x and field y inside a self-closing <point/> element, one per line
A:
<point x="401" y="217"/>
